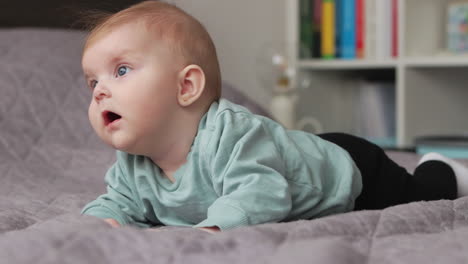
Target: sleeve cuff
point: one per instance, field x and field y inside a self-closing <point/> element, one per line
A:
<point x="225" y="217"/>
<point x="103" y="212"/>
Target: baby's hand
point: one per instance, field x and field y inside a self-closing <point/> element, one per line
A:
<point x="112" y="222"/>
<point x="211" y="229"/>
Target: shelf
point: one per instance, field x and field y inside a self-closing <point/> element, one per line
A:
<point x="346" y="64"/>
<point x="419" y="62"/>
<point x="446" y="61"/>
<point x="430" y="82"/>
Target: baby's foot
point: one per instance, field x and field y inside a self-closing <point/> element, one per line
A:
<point x="461" y="172"/>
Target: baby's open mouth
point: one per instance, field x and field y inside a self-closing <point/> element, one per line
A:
<point x="110" y="117"/>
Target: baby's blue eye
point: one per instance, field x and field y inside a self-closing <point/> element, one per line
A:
<point x="122" y="70"/>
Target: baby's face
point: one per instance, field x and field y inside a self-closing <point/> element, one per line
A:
<point x="134" y="86"/>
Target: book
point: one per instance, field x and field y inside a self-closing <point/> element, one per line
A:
<point x="370" y="28"/>
<point x="305" y="29"/>
<point x="346" y="25"/>
<point x="338" y="26"/>
<point x="328" y="29"/>
<point x="317" y="28"/>
<point x="388" y="28"/>
<point x="394" y="19"/>
<point x="374" y="115"/>
<point x="457" y="27"/>
<point x="383" y="29"/>
<point x="360" y="28"/>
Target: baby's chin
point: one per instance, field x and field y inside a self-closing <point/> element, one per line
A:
<point x="125" y="147"/>
<point x="121" y="143"/>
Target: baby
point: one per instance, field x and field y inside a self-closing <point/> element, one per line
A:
<point x="185" y="157"/>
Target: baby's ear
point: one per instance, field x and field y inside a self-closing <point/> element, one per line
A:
<point x="191" y="83"/>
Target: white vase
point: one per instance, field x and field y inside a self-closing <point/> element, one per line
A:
<point x="283" y="109"/>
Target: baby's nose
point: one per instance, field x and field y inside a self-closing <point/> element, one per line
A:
<point x="101" y="92"/>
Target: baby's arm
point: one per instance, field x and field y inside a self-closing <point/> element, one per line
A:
<point x="116" y="206"/>
<point x="260" y="198"/>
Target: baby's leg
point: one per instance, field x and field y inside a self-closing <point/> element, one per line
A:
<point x="461" y="172"/>
<point x="434" y="180"/>
<point x="385" y="183"/>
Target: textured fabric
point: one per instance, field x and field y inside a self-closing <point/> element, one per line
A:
<point x="242" y="169"/>
<point x="423" y="232"/>
<point x="51" y="164"/>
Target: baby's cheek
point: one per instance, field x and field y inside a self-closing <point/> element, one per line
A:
<point x="93" y="117"/>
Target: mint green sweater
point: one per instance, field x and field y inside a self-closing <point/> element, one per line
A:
<point x="242" y="169"/>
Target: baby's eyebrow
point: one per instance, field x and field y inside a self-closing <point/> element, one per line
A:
<point x="122" y="55"/>
<point x="111" y="59"/>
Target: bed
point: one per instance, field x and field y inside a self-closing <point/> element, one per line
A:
<point x="52" y="164"/>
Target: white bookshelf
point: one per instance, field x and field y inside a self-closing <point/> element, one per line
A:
<point x="345" y="64"/>
<point x="431" y="85"/>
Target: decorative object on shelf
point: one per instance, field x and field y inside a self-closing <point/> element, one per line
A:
<point x="277" y="76"/>
<point x="457" y="27"/>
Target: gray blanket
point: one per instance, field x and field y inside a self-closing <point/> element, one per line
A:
<point x="52" y="164"/>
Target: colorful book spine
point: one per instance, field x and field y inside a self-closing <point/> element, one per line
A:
<point x="360" y="28"/>
<point x="317" y="29"/>
<point x="305" y="26"/>
<point x="347" y="29"/>
<point x="371" y="30"/>
<point x="338" y="27"/>
<point x="351" y="29"/>
<point x="328" y="29"/>
<point x="394" y="28"/>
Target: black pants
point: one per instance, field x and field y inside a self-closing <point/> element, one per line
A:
<point x="385" y="183"/>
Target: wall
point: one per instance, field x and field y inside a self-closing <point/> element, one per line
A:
<point x="240" y="29"/>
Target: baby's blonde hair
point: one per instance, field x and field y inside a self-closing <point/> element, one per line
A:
<point x="183" y="34"/>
